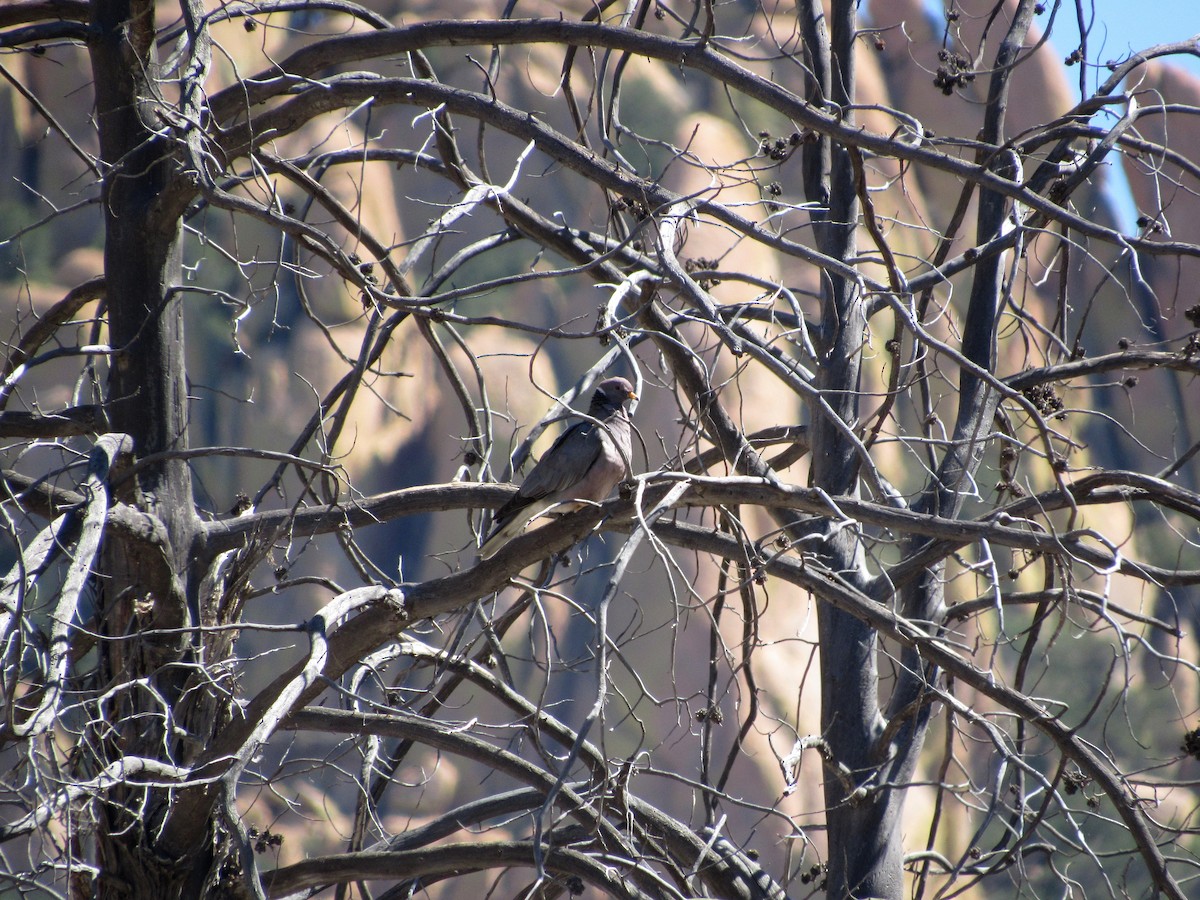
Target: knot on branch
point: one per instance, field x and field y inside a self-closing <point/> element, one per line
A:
<point x="855" y="793"/>
<point x="108" y="451"/>
<point x="393" y="599"/>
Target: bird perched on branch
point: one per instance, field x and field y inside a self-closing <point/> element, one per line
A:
<point x="587" y="461"/>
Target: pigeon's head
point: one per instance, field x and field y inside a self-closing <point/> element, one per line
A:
<point x="612" y="394"/>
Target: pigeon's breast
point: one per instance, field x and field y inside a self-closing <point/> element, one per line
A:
<point x="604" y="475"/>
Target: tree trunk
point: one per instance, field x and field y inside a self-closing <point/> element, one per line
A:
<point x="865" y="851"/>
<point x="144" y="581"/>
<point x="865" y="847"/>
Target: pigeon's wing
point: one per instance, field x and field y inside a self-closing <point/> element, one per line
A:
<point x="557" y="472"/>
<point x="565" y="464"/>
<point x="584" y="464"/>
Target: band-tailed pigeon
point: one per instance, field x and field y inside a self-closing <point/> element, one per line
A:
<point x="585" y="463"/>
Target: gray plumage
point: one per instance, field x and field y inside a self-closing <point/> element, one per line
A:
<point x="587" y="461"/>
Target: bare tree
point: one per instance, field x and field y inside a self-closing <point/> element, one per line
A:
<point x="897" y="599"/>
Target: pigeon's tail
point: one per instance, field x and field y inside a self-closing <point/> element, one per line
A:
<point x="502" y="535"/>
<point x="520" y="519"/>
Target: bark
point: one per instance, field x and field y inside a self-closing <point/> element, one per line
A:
<point x="865" y="849"/>
<point x="145" y="584"/>
<point x="873" y="866"/>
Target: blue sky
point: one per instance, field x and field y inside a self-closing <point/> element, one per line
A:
<point x="1137" y="24"/>
<point x="1121" y="27"/>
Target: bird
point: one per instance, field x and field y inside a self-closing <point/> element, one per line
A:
<point x="587" y="461"/>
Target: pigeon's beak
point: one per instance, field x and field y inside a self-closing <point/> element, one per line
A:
<point x="632" y="395"/>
